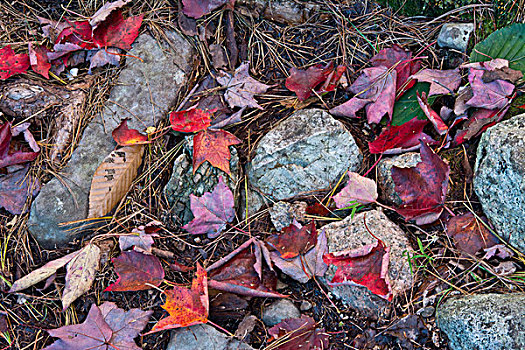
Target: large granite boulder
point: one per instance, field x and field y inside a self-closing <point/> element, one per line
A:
<point x="499" y="178"/>
<point x="144" y="92"/>
<point x="484" y="322"/>
<point x="203" y="337"/>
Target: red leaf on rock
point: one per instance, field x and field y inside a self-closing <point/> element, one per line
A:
<point x="212" y="211"/>
<point x="294" y="240"/>
<point x="298" y="333"/>
<point x="244" y="272"/>
<point x="358" y="189"/>
<point x="12" y="155"/>
<point x="15" y="188"/>
<point x="191" y="120"/>
<point x="470" y="235"/>
<point x="198" y="8"/>
<point x="186" y="307"/>
<point x="135" y="270"/>
<point x="434" y="118"/>
<point x="304" y="81"/>
<point x="423" y="188"/>
<point x="401" y="138"/>
<point x="116" y="31"/>
<point x="213" y="146"/>
<point x="366" y="266"/>
<point x="441" y="81"/>
<point x="38" y="59"/>
<point x="125" y="136"/>
<point x="11" y="63"/>
<point x="375" y="89"/>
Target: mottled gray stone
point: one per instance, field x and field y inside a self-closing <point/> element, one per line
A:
<point x="203" y="337"/>
<point x="455" y="35"/>
<point x="183" y="182"/>
<point x="350" y="234"/>
<point x="279" y="311"/>
<point x="499" y="178"/>
<point x="384" y="175"/>
<point x="484" y="322"/>
<point x="283" y="214"/>
<point x="308" y="151"/>
<point x="144" y="91"/>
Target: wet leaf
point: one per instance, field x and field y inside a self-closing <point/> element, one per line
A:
<point x="212" y="211"/>
<point x="136" y="271"/>
<point x="365" y="266"/>
<point x="422" y="188"/>
<point x="294" y="240"/>
<point x="213" y="146"/>
<point x="125" y="136"/>
<point x="191" y="120"/>
<point x="113" y="178"/>
<point x="115" y="31"/>
<point x="186" y="307"/>
<point x="298" y="333"/>
<point x="11" y="63"/>
<point x="358" y="189"/>
<point x="470" y="235"/>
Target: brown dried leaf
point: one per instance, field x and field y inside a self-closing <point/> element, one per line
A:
<point x="113" y="178"/>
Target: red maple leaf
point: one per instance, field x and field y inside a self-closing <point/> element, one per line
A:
<point x="136" y="271"/>
<point x="116" y="31"/>
<point x="397" y="139"/>
<point x="213" y="146"/>
<point x="124" y="136"/>
<point x="366" y="266"/>
<point x="191" y="120"/>
<point x="434" y="118"/>
<point x="11" y="63"/>
<point x="78" y="33"/>
<point x="298" y="333"/>
<point x="186" y="307"/>
<point x="294" y="240"/>
<point x="38" y="59"/>
<point x="304" y="81"/>
<point x="423" y="188"/>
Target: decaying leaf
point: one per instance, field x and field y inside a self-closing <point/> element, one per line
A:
<point x="480" y="120"/>
<point x="298" y="333"/>
<point x="80" y="274"/>
<point x="186" y="307"/>
<point x="136" y="271"/>
<point x="212" y="211"/>
<point x="100" y="58"/>
<point x="470" y="235"/>
<point x="213" y="146"/>
<point x="365" y="266"/>
<point x="16" y="188"/>
<point x="113" y="178"/>
<point x="139" y="238"/>
<point x="358" y="189"/>
<point x="403" y="138"/>
<point x="241" y="87"/>
<point x="125" y="136"/>
<point x="103" y="12"/>
<point x="294" y="240"/>
<point x="422" y="188"/>
<point x="199" y="8"/>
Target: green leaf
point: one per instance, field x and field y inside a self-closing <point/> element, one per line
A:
<point x="507" y="43"/>
<point x="407" y="107"/>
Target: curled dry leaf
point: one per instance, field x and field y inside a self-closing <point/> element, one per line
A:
<point x="432" y="115"/>
<point x="80" y="274"/>
<point x="470" y="235"/>
<point x="125" y="136"/>
<point x="136" y="271"/>
<point x="11" y="63"/>
<point x="298" y="333"/>
<point x="213" y="146"/>
<point x="103" y="12"/>
<point x="423" y="188"/>
<point x="113" y="178"/>
<point x="186" y="307"/>
<point x="358" y="189"/>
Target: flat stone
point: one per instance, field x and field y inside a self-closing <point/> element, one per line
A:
<point x="309" y="151"/>
<point x="499" y="178"/>
<point x="455" y="35"/>
<point x="387" y="187"/>
<point x="203" y="337"/>
<point x="283" y="214"/>
<point x="143" y="92"/>
<point x="183" y="182"/>
<point x="484" y="322"/>
<point x="350" y="234"/>
<point x="279" y="311"/>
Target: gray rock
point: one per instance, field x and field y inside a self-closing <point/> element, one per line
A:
<point x="283" y="214"/>
<point x="455" y="35"/>
<point x="183" y="182"/>
<point x="484" y="322"/>
<point x="278" y="311"/>
<point x="350" y="234"/>
<point x="143" y="92"/>
<point x="305" y="305"/>
<point x="384" y="175"/>
<point x="308" y="151"/>
<point x="499" y="178"/>
<point x="203" y="337"/>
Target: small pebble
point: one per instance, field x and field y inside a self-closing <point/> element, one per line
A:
<point x="426" y="311"/>
<point x="305" y="306"/>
